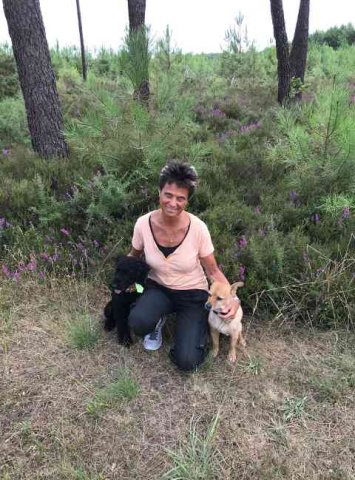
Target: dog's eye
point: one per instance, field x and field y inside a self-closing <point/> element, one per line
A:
<point x="219" y="298"/>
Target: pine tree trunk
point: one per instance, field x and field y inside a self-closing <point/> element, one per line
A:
<point x="136" y="13"/>
<point x="282" y="51"/>
<point x="36" y="75"/>
<point x="82" y="46"/>
<point x="298" y="56"/>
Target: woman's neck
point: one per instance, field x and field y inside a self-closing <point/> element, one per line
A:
<point x="171" y="221"/>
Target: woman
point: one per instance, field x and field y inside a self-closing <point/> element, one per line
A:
<point x="178" y="248"/>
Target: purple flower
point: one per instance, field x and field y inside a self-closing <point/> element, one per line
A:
<point x="81" y="247"/>
<point x="45" y="256"/>
<point x="319" y="271"/>
<point x="242" y="272"/>
<point x="243" y="242"/>
<point x="32" y="266"/>
<point x="6" y="271"/>
<point x="16" y="276"/>
<point x="345" y="213"/>
<point x="5" y="151"/>
<point x="41" y="275"/>
<point x="54" y="257"/>
<point x="4" y="223"/>
<point x="65" y="232"/>
<point x="293" y="197"/>
<point x="250" y="127"/>
<point x="217" y="112"/>
<point x="315" y="217"/>
<point x="96" y="243"/>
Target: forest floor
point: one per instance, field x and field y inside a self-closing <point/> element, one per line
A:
<point x="285" y="410"/>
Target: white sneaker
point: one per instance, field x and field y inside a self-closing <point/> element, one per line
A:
<point x="154" y="339"/>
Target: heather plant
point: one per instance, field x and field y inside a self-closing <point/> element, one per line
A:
<point x="276" y="188"/>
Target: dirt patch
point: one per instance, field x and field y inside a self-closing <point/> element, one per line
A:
<point x="280" y="413"/>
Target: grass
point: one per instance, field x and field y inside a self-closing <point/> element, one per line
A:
<point x="283" y="411"/>
<point x="253" y="366"/>
<point x="83" y="332"/>
<point x="123" y="388"/>
<point x="198" y="459"/>
<point x="293" y="408"/>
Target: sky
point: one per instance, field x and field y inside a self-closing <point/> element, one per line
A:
<point x="196" y="25"/>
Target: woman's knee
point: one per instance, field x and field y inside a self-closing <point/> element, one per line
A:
<point x="188" y="361"/>
<point x="137" y="321"/>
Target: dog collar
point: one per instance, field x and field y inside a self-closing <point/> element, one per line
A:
<point x="135" y="287"/>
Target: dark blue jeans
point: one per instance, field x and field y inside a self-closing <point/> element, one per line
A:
<point x="189" y="349"/>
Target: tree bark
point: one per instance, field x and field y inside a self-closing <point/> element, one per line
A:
<point x="298" y="56"/>
<point x="290" y="65"/>
<point x="82" y="46"/>
<point x="36" y="75"/>
<point x="136" y="14"/>
<point x="282" y="50"/>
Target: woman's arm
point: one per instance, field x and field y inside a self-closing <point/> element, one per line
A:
<point x="215" y="274"/>
<point x="211" y="268"/>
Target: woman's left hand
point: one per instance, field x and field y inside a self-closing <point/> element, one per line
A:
<point x="229" y="312"/>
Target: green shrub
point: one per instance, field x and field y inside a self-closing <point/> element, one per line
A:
<point x="9" y="85"/>
<point x="276" y="185"/>
<point x="13" y="123"/>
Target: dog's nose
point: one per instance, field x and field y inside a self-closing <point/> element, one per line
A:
<point x="208" y="306"/>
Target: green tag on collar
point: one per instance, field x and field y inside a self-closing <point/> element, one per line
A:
<point x="139" y="288"/>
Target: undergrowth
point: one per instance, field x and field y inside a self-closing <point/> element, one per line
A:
<point x="276" y="190"/>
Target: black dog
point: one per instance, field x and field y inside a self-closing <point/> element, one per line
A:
<point x="129" y="272"/>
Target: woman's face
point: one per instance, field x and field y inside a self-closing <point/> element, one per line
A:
<point x="173" y="199"/>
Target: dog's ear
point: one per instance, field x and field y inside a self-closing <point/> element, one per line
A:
<point x="235" y="287"/>
<point x="119" y="260"/>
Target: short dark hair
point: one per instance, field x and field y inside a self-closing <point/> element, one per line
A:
<point x="180" y="173"/>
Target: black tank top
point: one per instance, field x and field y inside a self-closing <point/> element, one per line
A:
<point x="166" y="251"/>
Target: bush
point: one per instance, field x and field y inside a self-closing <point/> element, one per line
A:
<point x="276" y="185"/>
<point x="13" y="123"/>
<point x="335" y="37"/>
<point x="9" y="85"/>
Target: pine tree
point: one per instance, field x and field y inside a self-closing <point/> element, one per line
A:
<point x="290" y="65"/>
<point x="138" y="40"/>
<point x="36" y="76"/>
<point x="82" y="46"/>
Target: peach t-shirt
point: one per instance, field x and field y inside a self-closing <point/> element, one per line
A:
<point x="182" y="269"/>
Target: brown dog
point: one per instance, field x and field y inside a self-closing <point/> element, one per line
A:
<point x="220" y="296"/>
